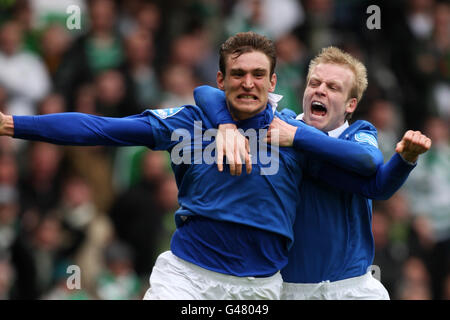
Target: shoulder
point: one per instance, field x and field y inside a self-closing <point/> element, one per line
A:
<point x="183" y="114"/>
<point x="363" y="132"/>
<point x="362" y="125"/>
<point x="287" y="117"/>
<point x="288" y="113"/>
<point x="185" y="110"/>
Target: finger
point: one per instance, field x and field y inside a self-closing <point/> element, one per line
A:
<point x="422" y="143"/>
<point x="425" y="144"/>
<point x="231" y="162"/>
<point x="408" y="135"/>
<point x="243" y="148"/>
<point x="268" y="137"/>
<point x="275" y="137"/>
<point x="237" y="157"/>
<point x="407" y="139"/>
<point x="248" y="162"/>
<point x="229" y="146"/>
<point x="416" y="138"/>
<point x="219" y="159"/>
<point x="400" y="147"/>
<point x="244" y="152"/>
<point x="411" y="144"/>
<point x="428" y="143"/>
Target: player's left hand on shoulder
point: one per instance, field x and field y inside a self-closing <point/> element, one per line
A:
<point x="281" y="133"/>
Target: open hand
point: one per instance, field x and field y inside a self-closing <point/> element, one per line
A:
<point x="281" y="133"/>
<point x="6" y="125"/>
<point x="231" y="143"/>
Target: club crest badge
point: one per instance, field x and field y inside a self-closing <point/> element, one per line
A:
<point x="366" y="138"/>
<point x="166" y="113"/>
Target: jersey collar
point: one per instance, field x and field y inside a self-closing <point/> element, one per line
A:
<point x="335" y="133"/>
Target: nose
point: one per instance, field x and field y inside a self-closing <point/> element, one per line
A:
<point x="321" y="89"/>
<point x="247" y="82"/>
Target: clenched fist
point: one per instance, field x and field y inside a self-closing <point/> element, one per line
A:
<point x="412" y="145"/>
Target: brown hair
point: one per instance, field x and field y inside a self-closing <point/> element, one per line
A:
<point x="333" y="55"/>
<point x="245" y="42"/>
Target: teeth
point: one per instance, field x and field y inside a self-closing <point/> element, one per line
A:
<point x="317" y="103"/>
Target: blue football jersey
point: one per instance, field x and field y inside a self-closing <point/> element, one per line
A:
<point x="332" y="230"/>
<point x="254" y="212"/>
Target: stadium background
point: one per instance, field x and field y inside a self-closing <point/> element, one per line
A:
<point x="110" y="210"/>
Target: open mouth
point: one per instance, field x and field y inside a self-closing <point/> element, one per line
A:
<point x="318" y="108"/>
<point x="247" y="97"/>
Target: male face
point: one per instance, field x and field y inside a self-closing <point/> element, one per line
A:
<point x="247" y="82"/>
<point x="326" y="100"/>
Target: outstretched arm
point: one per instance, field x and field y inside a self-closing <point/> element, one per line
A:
<point x="79" y="129"/>
<point x="388" y="178"/>
<point x="361" y="158"/>
<point x="229" y="141"/>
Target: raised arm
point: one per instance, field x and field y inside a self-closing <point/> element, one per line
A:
<point x="360" y="157"/>
<point x="388" y="178"/>
<point x="213" y="104"/>
<point x="229" y="141"/>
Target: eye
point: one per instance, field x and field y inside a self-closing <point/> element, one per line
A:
<point x="259" y="74"/>
<point x="314" y="83"/>
<point x="334" y="87"/>
<point x="237" y="73"/>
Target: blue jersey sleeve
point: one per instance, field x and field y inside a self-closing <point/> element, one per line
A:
<point x="74" y="128"/>
<point x="213" y="104"/>
<point x="159" y="129"/>
<point x="380" y="186"/>
<point x="362" y="157"/>
<point x="288" y="113"/>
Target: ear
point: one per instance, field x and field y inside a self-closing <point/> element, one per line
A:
<point x="220" y="80"/>
<point x="273" y="82"/>
<point x="351" y="105"/>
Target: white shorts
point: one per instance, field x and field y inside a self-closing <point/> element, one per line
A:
<point x="175" y="279"/>
<point x="364" y="287"/>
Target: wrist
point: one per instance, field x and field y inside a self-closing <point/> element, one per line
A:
<point x="292" y="132"/>
<point x="227" y="126"/>
<point x="297" y="141"/>
<point x="409" y="158"/>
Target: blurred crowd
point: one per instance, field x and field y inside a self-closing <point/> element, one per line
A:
<point x="110" y="210"/>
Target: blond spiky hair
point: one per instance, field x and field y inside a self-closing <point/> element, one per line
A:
<point x="333" y="55"/>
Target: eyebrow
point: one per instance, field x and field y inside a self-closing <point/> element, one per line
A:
<point x="330" y="82"/>
<point x="240" y="70"/>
